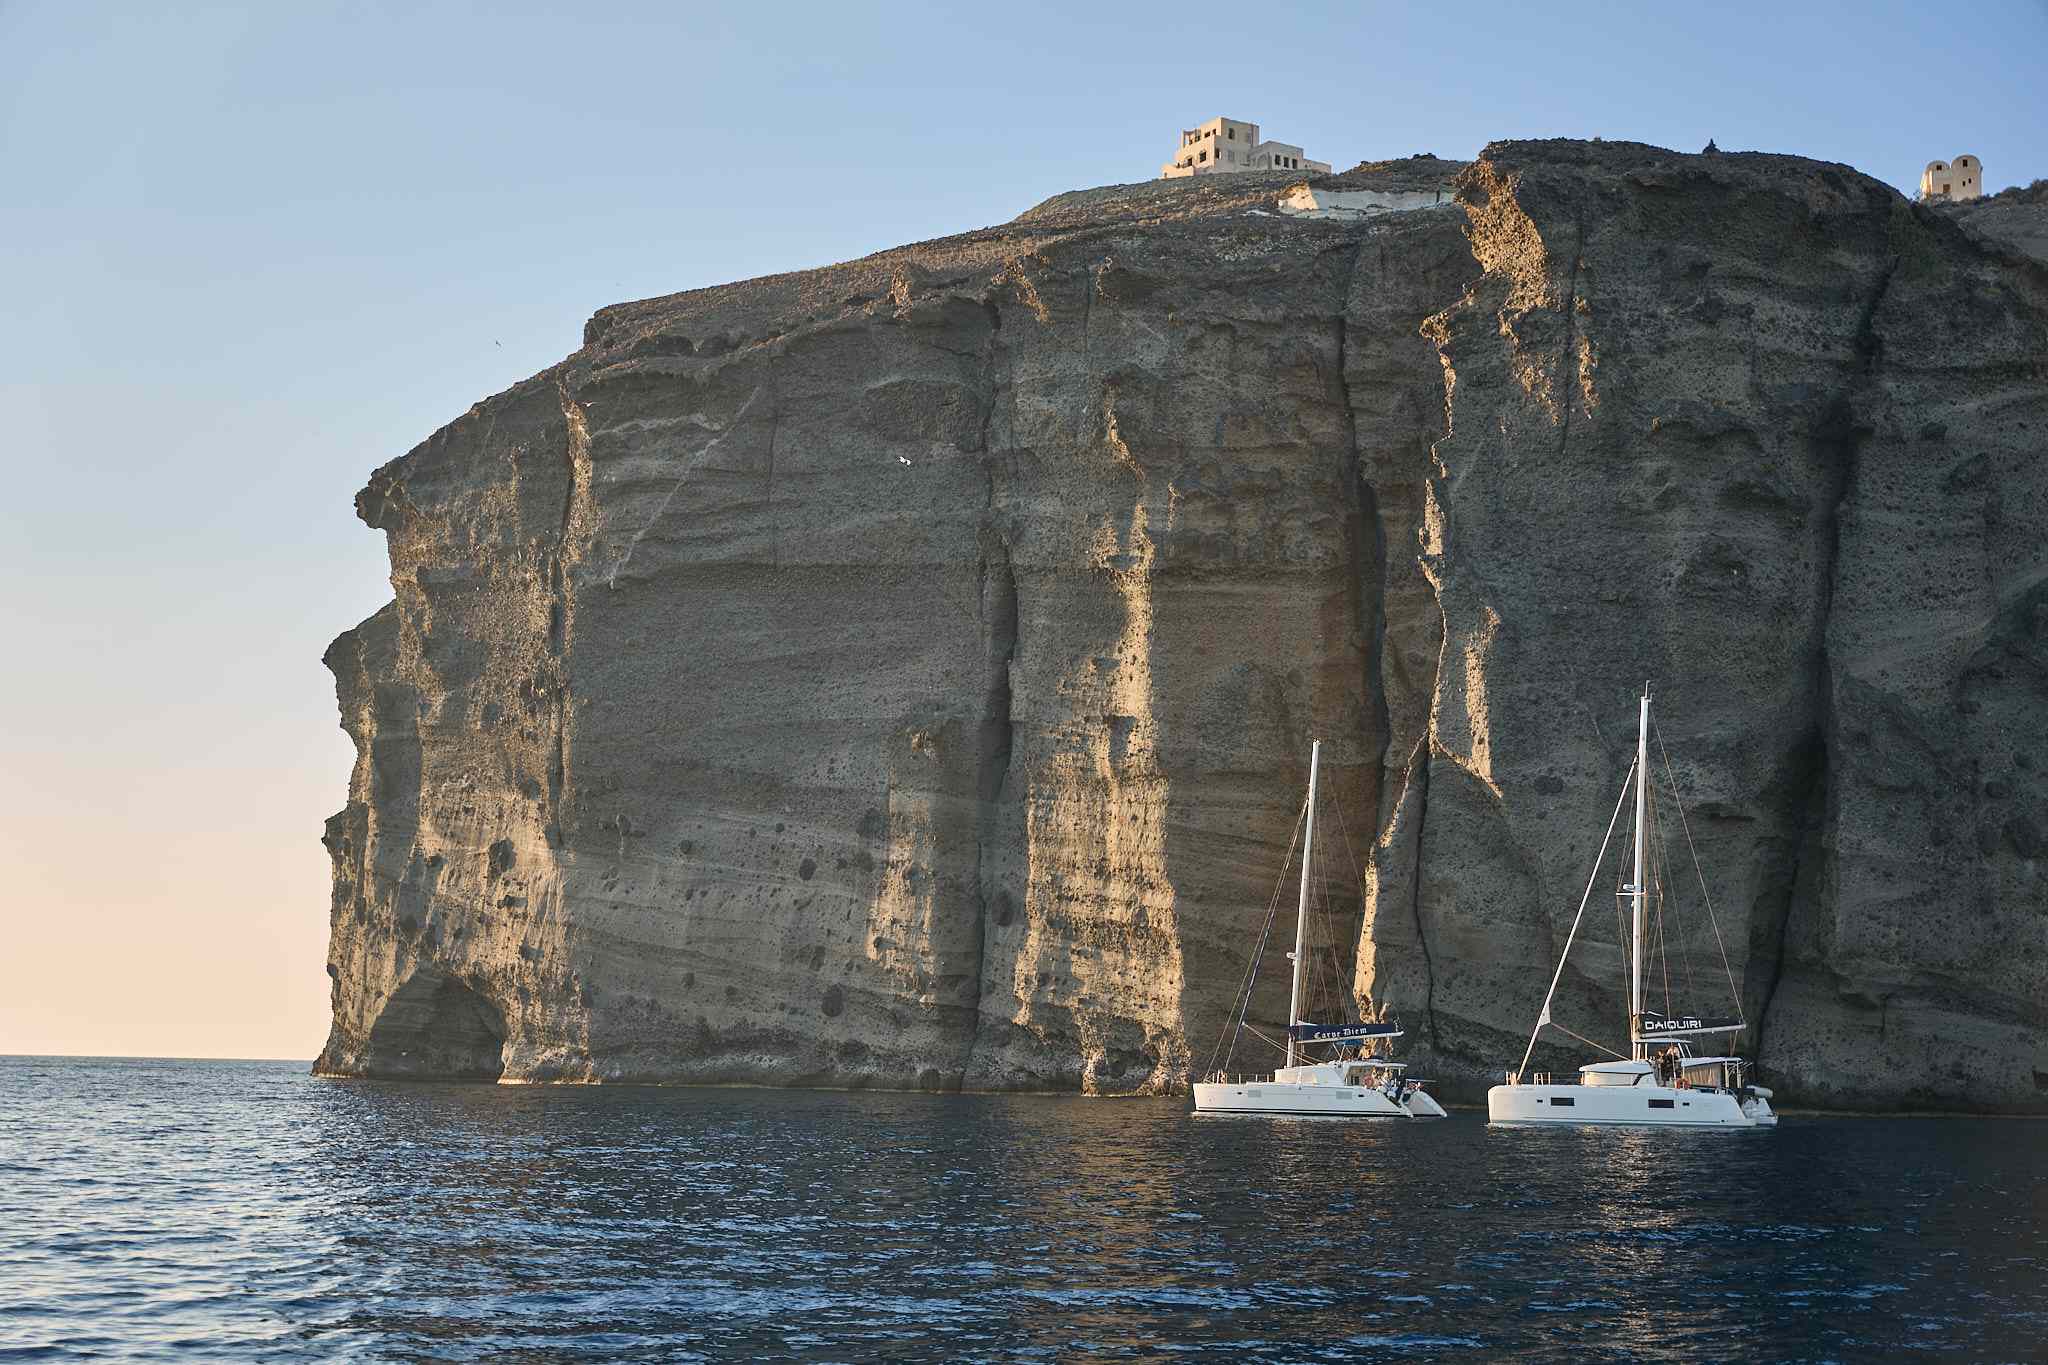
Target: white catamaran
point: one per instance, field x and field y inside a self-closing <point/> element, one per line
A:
<point x="1355" y="1079"/>
<point x="1662" y="1082"/>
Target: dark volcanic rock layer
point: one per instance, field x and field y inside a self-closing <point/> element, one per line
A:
<point x="901" y="673"/>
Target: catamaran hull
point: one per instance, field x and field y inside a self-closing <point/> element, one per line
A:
<point x="1309" y="1101"/>
<point x="1646" y="1106"/>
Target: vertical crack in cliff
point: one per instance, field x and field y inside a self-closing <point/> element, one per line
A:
<point x="1571" y="329"/>
<point x="996" y="738"/>
<point x="774" y="531"/>
<point x="1434" y="536"/>
<point x="1837" y="441"/>
<point x="995" y="744"/>
<point x="1801" y="875"/>
<point x="992" y="393"/>
<point x="1367" y="550"/>
<point x="1418" y="778"/>
<point x="571" y="544"/>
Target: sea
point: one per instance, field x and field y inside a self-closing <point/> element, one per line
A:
<point x="222" y="1211"/>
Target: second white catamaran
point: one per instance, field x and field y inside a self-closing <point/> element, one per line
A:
<point x="1662" y="1082"/>
<point x="1354" y="1078"/>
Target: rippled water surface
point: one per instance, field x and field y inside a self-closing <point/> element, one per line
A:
<point x="225" y="1210"/>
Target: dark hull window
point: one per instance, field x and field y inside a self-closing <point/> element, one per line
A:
<point x="1660" y="1104"/>
<point x="1559" y="1099"/>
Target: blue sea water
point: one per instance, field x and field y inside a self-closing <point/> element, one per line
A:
<point x="244" y="1210"/>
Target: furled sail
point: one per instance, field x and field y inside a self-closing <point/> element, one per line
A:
<point x="1650" y="1024"/>
<point x="1341" y="1033"/>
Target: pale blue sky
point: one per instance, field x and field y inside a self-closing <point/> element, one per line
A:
<point x="246" y="255"/>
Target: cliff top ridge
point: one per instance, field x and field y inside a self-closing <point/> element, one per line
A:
<point x="755" y="307"/>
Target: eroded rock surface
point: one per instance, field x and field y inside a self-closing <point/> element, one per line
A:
<point x="902" y="673"/>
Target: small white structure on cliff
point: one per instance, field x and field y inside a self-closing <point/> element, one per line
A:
<point x="1225" y="144"/>
<point x="1960" y="178"/>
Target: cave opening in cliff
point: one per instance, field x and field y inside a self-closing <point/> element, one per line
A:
<point x="436" y="1026"/>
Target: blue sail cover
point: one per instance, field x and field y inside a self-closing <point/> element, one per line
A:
<point x="1341" y="1033"/>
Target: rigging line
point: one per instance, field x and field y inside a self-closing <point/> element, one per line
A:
<point x="1244" y="1003"/>
<point x="1588" y="1041"/>
<point x="1330" y="998"/>
<point x="1318" y="963"/>
<point x="1333" y="973"/>
<point x="1344" y="829"/>
<point x="1671" y="892"/>
<point x="1691" y="847"/>
<point x="1245" y="994"/>
<point x="1660" y="884"/>
<point x="1657" y="879"/>
<point x="1310" y="911"/>
<point x="1580" y="693"/>
<point x="1273" y="1043"/>
<point x="1329" y="981"/>
<point x="1621" y="927"/>
<point x="1357" y="885"/>
<point x="1657" y="885"/>
<point x="1543" y="1015"/>
<point x="1251" y="971"/>
<point x="1663" y="949"/>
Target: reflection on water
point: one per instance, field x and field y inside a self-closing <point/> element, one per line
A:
<point x="228" y="1210"/>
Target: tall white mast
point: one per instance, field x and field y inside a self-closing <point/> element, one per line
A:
<point x="1308" y="848"/>
<point x="1635" y="987"/>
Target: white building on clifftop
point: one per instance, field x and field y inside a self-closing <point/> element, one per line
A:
<point x="1962" y="178"/>
<point x="1224" y="144"/>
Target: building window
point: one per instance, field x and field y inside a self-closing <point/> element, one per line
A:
<point x="1233" y="134"/>
<point x="1201" y="156"/>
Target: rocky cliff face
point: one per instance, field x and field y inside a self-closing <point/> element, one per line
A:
<point x="902" y="673"/>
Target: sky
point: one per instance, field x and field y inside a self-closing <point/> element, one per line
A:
<point x="248" y="254"/>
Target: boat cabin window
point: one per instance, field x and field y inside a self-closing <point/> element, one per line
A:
<point x="1563" y="1100"/>
<point x="1661" y="1104"/>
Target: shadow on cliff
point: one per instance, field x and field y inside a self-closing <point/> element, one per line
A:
<point x="434" y="1026"/>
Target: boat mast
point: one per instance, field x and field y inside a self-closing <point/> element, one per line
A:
<point x="1635" y="987"/>
<point x="1308" y="848"/>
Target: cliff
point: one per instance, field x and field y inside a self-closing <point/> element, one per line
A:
<point x="902" y="673"/>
